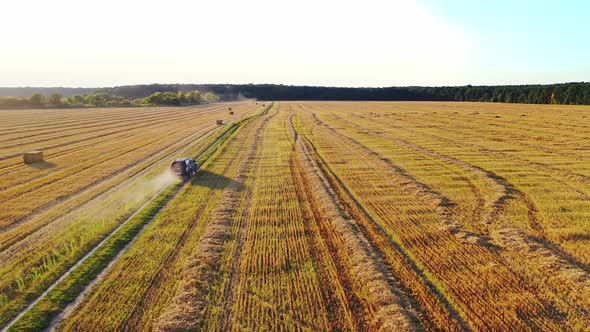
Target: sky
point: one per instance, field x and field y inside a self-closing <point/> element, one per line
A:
<point x="370" y="43"/>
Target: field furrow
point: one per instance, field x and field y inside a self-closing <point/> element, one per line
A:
<point x="470" y="260"/>
<point x="303" y="216"/>
<point x="30" y="264"/>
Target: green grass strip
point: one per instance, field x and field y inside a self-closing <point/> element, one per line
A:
<point x="39" y="316"/>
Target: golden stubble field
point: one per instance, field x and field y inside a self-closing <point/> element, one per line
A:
<point x="305" y="216"/>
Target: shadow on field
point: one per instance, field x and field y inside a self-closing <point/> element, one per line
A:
<point x="213" y="180"/>
<point x="42" y="165"/>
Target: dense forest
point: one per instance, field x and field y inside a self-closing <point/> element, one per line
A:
<point x="570" y="93"/>
<point x="174" y="94"/>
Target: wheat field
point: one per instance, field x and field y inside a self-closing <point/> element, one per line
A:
<point x="304" y="216"/>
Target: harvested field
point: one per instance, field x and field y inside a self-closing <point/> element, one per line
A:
<point x="305" y="216"/>
<point x="56" y="211"/>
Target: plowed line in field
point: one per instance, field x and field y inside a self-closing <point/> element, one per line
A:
<point x="345" y="310"/>
<point x="163" y="276"/>
<point x="124" y="125"/>
<point x="537" y="250"/>
<point x="201" y="272"/>
<point x="126" y="133"/>
<point x="392" y="252"/>
<point x="83" y="157"/>
<point x="4" y="245"/>
<point x="229" y="295"/>
<point x="74" y="117"/>
<point x="93" y="250"/>
<point x="89" y="187"/>
<point x="9" y="241"/>
<point x="534" y="218"/>
<point x="61" y="122"/>
<point x="47" y="128"/>
<point x="93" y="137"/>
<point x="358" y="265"/>
<point x="88" y="162"/>
<point x="78" y="129"/>
<point x="468" y="251"/>
<point x="19" y="190"/>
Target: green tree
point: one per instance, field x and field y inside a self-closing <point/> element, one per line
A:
<point x="162" y="98"/>
<point x="37" y="99"/>
<point x="181" y="99"/>
<point x="211" y="97"/>
<point x="56" y="99"/>
<point x="76" y="100"/>
<point x="193" y="97"/>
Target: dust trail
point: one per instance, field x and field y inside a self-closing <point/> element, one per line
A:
<point x="162" y="181"/>
<point x="143" y="192"/>
<point x="142" y="188"/>
<point x="149" y="186"/>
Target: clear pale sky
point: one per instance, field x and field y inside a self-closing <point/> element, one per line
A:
<point x="306" y="42"/>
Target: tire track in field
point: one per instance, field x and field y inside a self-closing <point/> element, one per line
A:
<point x="244" y="295"/>
<point x="358" y="264"/>
<point x="533" y="215"/>
<point x="436" y="309"/>
<point x="4" y="252"/>
<point x="503" y="189"/>
<point x="4" y="244"/>
<point x="504" y="274"/>
<point x="90" y="186"/>
<point x="540" y="252"/>
<point x="89" y="254"/>
<point x="345" y="310"/>
<point x="396" y="257"/>
<point x="508" y="191"/>
<point x="229" y="295"/>
<point x="164" y="275"/>
<point x="89" y="163"/>
<point x="534" y="218"/>
<point x="201" y="273"/>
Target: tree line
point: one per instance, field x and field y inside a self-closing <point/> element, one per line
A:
<point x="102" y="99"/>
<point x="183" y="94"/>
<point x="567" y="93"/>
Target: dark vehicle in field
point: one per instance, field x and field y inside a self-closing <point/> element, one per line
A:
<point x="184" y="167"/>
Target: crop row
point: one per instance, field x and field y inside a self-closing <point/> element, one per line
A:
<point x="149" y="266"/>
<point x="400" y="204"/>
<point x="38" y="251"/>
